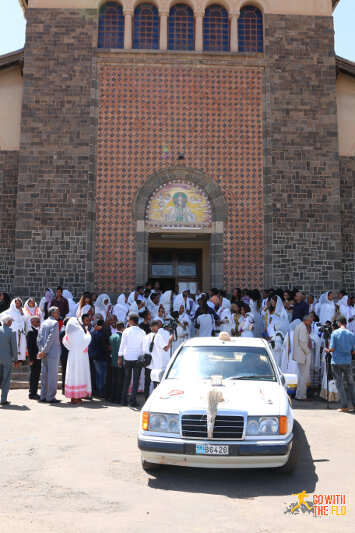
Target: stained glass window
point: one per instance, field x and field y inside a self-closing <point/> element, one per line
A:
<point x="181" y="28"/>
<point x="146" y="27"/>
<point x="250" y="30"/>
<point x="216" y="29"/>
<point x="111" y="26"/>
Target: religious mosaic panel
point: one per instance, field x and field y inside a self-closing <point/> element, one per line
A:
<point x="150" y="116"/>
<point x="178" y="205"/>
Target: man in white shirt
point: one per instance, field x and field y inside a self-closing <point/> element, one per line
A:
<point x="130" y="349"/>
<point x="154" y="344"/>
<point x="205" y="323"/>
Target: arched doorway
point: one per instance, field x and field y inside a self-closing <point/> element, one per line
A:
<point x="180" y="215"/>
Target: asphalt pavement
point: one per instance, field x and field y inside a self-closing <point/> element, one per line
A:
<point x="77" y="469"/>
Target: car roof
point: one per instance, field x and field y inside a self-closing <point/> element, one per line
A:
<point x="235" y="341"/>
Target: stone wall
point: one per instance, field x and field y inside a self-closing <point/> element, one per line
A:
<point x="347" y="201"/>
<point x="56" y="164"/>
<point x="8" y="193"/>
<point x="302" y="211"/>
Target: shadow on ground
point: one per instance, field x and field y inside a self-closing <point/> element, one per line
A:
<point x="244" y="484"/>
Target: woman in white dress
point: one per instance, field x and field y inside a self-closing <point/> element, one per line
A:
<point x="183" y="329"/>
<point x="73" y="307"/>
<point x="19" y="326"/>
<point x="30" y="310"/>
<point x="351" y="316"/>
<point x="77" y="377"/>
<point x="226" y="319"/>
<point x="288" y="365"/>
<point x="246" y="322"/>
<point x="325" y="309"/>
<point x="103" y="305"/>
<point x="275" y="317"/>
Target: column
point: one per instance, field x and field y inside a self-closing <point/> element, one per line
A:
<point x="163" y="37"/>
<point x="199" y="31"/>
<point x="127" y="42"/>
<point x="233" y="17"/>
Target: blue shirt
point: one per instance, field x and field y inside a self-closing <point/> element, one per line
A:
<point x="343" y="341"/>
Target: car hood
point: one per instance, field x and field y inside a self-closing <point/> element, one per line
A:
<point x="253" y="397"/>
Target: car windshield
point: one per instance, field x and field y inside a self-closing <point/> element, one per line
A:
<point x="230" y="362"/>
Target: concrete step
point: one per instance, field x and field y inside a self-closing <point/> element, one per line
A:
<point x="21" y="375"/>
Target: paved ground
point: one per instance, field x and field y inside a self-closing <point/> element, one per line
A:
<point x="77" y="469"/>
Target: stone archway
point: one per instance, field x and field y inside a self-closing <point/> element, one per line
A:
<point x="218" y="211"/>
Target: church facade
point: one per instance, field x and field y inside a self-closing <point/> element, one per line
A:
<point x="196" y="143"/>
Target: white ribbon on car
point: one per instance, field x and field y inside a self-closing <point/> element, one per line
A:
<point x="214" y="397"/>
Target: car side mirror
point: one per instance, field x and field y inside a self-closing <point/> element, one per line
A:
<point x="157" y="375"/>
<point x="283" y="381"/>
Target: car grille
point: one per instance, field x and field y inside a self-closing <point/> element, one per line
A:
<point x="225" y="426"/>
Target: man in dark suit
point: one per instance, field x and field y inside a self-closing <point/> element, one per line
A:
<point x="35" y="363"/>
<point x="8" y="353"/>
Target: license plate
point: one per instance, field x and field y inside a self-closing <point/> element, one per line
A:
<point x="211" y="449"/>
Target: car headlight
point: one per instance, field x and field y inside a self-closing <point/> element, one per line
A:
<point x="265" y="425"/>
<point x="163" y="423"/>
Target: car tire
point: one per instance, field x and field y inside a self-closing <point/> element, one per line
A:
<point x="293" y="458"/>
<point x="148" y="467"/>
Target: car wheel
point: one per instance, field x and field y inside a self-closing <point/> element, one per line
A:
<point x="147" y="466"/>
<point x="292" y="462"/>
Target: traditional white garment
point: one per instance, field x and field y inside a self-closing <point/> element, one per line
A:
<point x="312" y="307"/>
<point x="288" y="365"/>
<point x="226" y="303"/>
<point x="100" y="307"/>
<point x="206" y="323"/>
<point x="278" y="338"/>
<point x="72" y="305"/>
<point x="182" y="331"/>
<point x="30" y="312"/>
<point x="19" y="326"/>
<point x="315" y="360"/>
<point x="343" y="306"/>
<point x="325" y="308"/>
<point x="165" y="300"/>
<point x="246" y="325"/>
<point x="179" y="301"/>
<point x="77" y="377"/>
<point x="226" y="319"/>
<point x="258" y="321"/>
<point x="351" y="314"/>
<point x="121" y="309"/>
<point x="278" y="320"/>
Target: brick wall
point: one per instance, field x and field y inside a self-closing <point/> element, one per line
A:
<point x="347" y="202"/>
<point x="211" y="115"/>
<point x="8" y="193"/>
<point x="302" y="212"/>
<point x="56" y="161"/>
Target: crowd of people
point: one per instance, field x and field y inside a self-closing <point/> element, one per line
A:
<point x="100" y="343"/>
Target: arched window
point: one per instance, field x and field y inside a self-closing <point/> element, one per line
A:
<point x="250" y="30"/>
<point x="216" y="29"/>
<point x="146" y="27"/>
<point x="111" y="26"/>
<point x="181" y="28"/>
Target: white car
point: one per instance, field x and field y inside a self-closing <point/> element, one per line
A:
<point x="254" y="425"/>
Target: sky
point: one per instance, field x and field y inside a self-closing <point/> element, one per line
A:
<point x="13" y="26"/>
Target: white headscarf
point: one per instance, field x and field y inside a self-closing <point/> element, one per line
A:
<point x="18" y="319"/>
<point x="75" y="339"/>
<point x="85" y="310"/>
<point x="32" y="311"/>
<point x="326" y="308"/>
<point x="281" y="320"/>
<point x="165" y="301"/>
<point x="121" y="309"/>
<point x="100" y="307"/>
<point x="72" y="305"/>
<point x="179" y="300"/>
<point x="343" y="305"/>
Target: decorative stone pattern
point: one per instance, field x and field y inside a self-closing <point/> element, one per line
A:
<point x="8" y="193"/>
<point x="148" y="115"/>
<point x="302" y="209"/>
<point x="56" y="162"/>
<point x="347" y="204"/>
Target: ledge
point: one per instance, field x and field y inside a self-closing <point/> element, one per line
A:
<point x="105" y="55"/>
